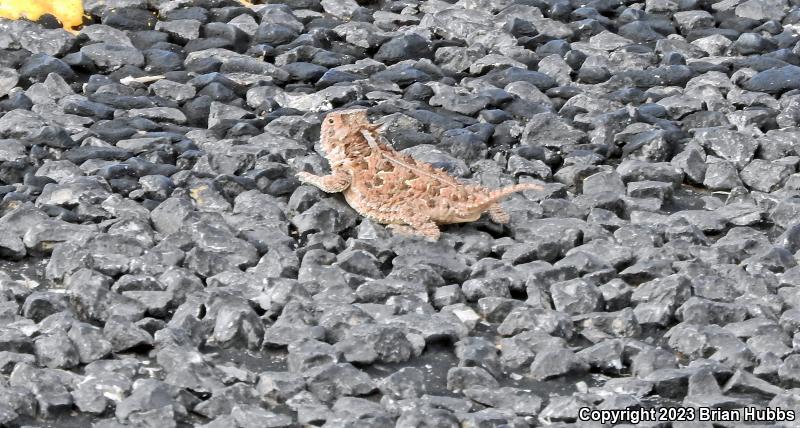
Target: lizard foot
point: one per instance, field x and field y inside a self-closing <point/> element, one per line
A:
<point x="498" y="214"/>
<point x="429" y="231"/>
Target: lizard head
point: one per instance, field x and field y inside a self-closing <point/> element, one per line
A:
<point x="341" y="123"/>
<point x="342" y="127"/>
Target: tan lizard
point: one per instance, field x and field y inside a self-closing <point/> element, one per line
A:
<point x="411" y="197"/>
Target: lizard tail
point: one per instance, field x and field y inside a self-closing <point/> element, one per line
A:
<point x="496" y="195"/>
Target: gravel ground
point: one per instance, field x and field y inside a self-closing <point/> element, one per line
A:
<point x="162" y="267"/>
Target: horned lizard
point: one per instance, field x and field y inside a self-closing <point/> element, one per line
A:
<point x="410" y="196"/>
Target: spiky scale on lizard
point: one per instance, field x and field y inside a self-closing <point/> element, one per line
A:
<point x="392" y="188"/>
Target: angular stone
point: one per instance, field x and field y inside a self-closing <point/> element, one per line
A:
<point x="113" y="56"/>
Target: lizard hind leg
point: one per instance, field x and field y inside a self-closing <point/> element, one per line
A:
<point x="428" y="230"/>
<point x="401" y="229"/>
<point x="424" y="226"/>
<point x="498" y="214"/>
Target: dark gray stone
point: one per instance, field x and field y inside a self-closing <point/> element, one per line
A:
<point x="765" y="176"/>
<point x="461" y="378"/>
<point x="576" y="296"/>
<point x="185" y="367"/>
<point x="325" y="216"/>
<point x="698" y="340"/>
<point x="475" y="289"/>
<point x="295" y="322"/>
<point x="148" y="395"/>
<point x="407" y="46"/>
<point x="368" y="343"/>
<point x="548" y="130"/>
<point x="658" y="299"/>
<point x="720" y="174"/>
<point x="732" y="146"/>
<point x="697" y="310"/>
<point x="82" y="189"/>
<point x="11" y="246"/>
<point x="751" y="43"/>
<point x="774" y="80"/>
<point x="553" y="363"/>
<point x="113" y="56"/>
<point x="406" y="383"/>
<point x="226" y="399"/>
<point x="89" y="342"/>
<point x="100" y="390"/>
<point x="478" y="352"/>
<point x="8" y="80"/>
<point x="604" y="356"/>
<point x="518" y="401"/>
<point x="50" y="388"/>
<point x="650" y="360"/>
<point x="55" y="350"/>
<point x="279" y="385"/>
<point x="785" y="212"/>
<point x="38" y="66"/>
<point x="254" y="416"/>
<point x="123" y="334"/>
<point x="306" y="354"/>
<point x="329" y="382"/>
<point x="637" y="170"/>
<point x="349" y="410"/>
<point x="536" y="320"/>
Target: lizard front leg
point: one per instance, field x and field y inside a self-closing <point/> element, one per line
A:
<point x="331" y="183"/>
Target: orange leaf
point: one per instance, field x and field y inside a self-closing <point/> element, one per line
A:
<point x="68" y="12"/>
